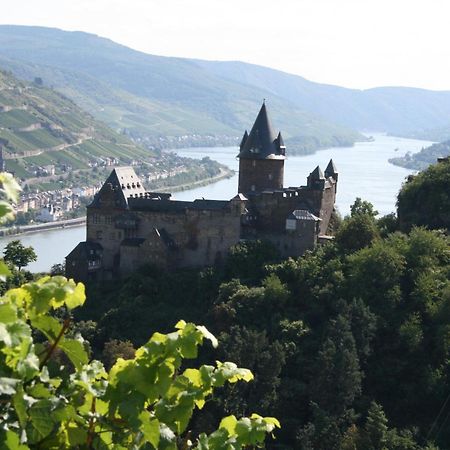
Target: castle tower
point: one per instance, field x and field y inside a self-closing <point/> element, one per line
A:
<point x="261" y="157"/>
<point x="316" y="180"/>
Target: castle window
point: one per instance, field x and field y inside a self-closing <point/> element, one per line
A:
<point x="253" y="187"/>
<point x="99" y="234"/>
<point x="270" y="176"/>
<point x="254" y="163"/>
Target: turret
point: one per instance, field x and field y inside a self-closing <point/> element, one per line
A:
<point x="316" y="180"/>
<point x="261" y="157"/>
<point x="331" y="171"/>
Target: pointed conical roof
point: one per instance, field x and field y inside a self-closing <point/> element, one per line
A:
<point x="262" y="142"/>
<point x="280" y="140"/>
<point x="317" y="174"/>
<point x="331" y="169"/>
<point x="244" y="139"/>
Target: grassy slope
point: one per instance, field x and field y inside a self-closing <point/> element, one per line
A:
<point x="61" y="123"/>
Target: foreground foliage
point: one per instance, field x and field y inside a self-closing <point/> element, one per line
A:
<point x="144" y="402"/>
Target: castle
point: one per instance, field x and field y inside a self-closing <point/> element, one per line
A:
<point x="128" y="227"/>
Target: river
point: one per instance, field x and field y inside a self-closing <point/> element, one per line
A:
<point x="364" y="171"/>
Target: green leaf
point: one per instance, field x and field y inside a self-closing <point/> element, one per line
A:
<point x="8" y="313"/>
<point x="75" y="352"/>
<point x="208" y="335"/>
<point x="150" y="428"/>
<point x="8" y="385"/>
<point x="4" y="271"/>
<point x="10" y="441"/>
<point x="4" y="335"/>
<point x="77" y="436"/>
<point x="9" y="186"/>
<point x="40" y="415"/>
<point x="48" y="325"/>
<point x="229" y="424"/>
<point x="77" y="297"/>
<point x="20" y="406"/>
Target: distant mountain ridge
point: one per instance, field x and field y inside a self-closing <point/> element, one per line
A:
<point x="156" y="95"/>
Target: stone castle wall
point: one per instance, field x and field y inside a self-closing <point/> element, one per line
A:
<point x="258" y="174"/>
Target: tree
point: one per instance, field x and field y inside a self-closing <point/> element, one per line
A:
<point x="424" y="200"/>
<point x="376" y="426"/>
<point x="357" y="232"/>
<point x="19" y="255"/>
<point x="362" y="207"/>
<point x="115" y="349"/>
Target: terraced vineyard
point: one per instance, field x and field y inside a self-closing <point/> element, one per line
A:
<point x="44" y="134"/>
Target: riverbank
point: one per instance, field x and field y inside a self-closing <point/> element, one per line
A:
<point x="224" y="173"/>
<point x="39" y="227"/>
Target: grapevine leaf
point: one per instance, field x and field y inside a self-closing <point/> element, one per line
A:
<point x="4" y="270"/>
<point x="229" y="424"/>
<point x="4" y="335"/>
<point x="8" y="385"/>
<point x="150" y="428"/>
<point x="75" y="352"/>
<point x="48" y="325"/>
<point x="77" y="297"/>
<point x="10" y="441"/>
<point x="20" y="406"/>
<point x="208" y="335"/>
<point x="77" y="436"/>
<point x="41" y="417"/>
<point x="8" y="313"/>
<point x="9" y="186"/>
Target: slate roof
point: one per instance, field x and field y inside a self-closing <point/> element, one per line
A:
<point x="331" y="169"/>
<point x="86" y="249"/>
<point x="262" y="142"/>
<point x="303" y="214"/>
<point x="317" y="174"/>
<point x="125" y="183"/>
<point x="240" y="196"/>
<point x="143" y="204"/>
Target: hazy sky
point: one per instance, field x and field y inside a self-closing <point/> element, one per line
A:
<point x="354" y="43"/>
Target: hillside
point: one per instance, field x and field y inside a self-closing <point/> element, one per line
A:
<point x="40" y="128"/>
<point x="422" y="159"/>
<point x="152" y="96"/>
<point x="397" y="110"/>
<point x="439" y="134"/>
<point x="158" y="96"/>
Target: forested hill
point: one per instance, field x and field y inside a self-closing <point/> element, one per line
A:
<point x="175" y="96"/>
<point x="39" y="127"/>
<point x="422" y="159"/>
